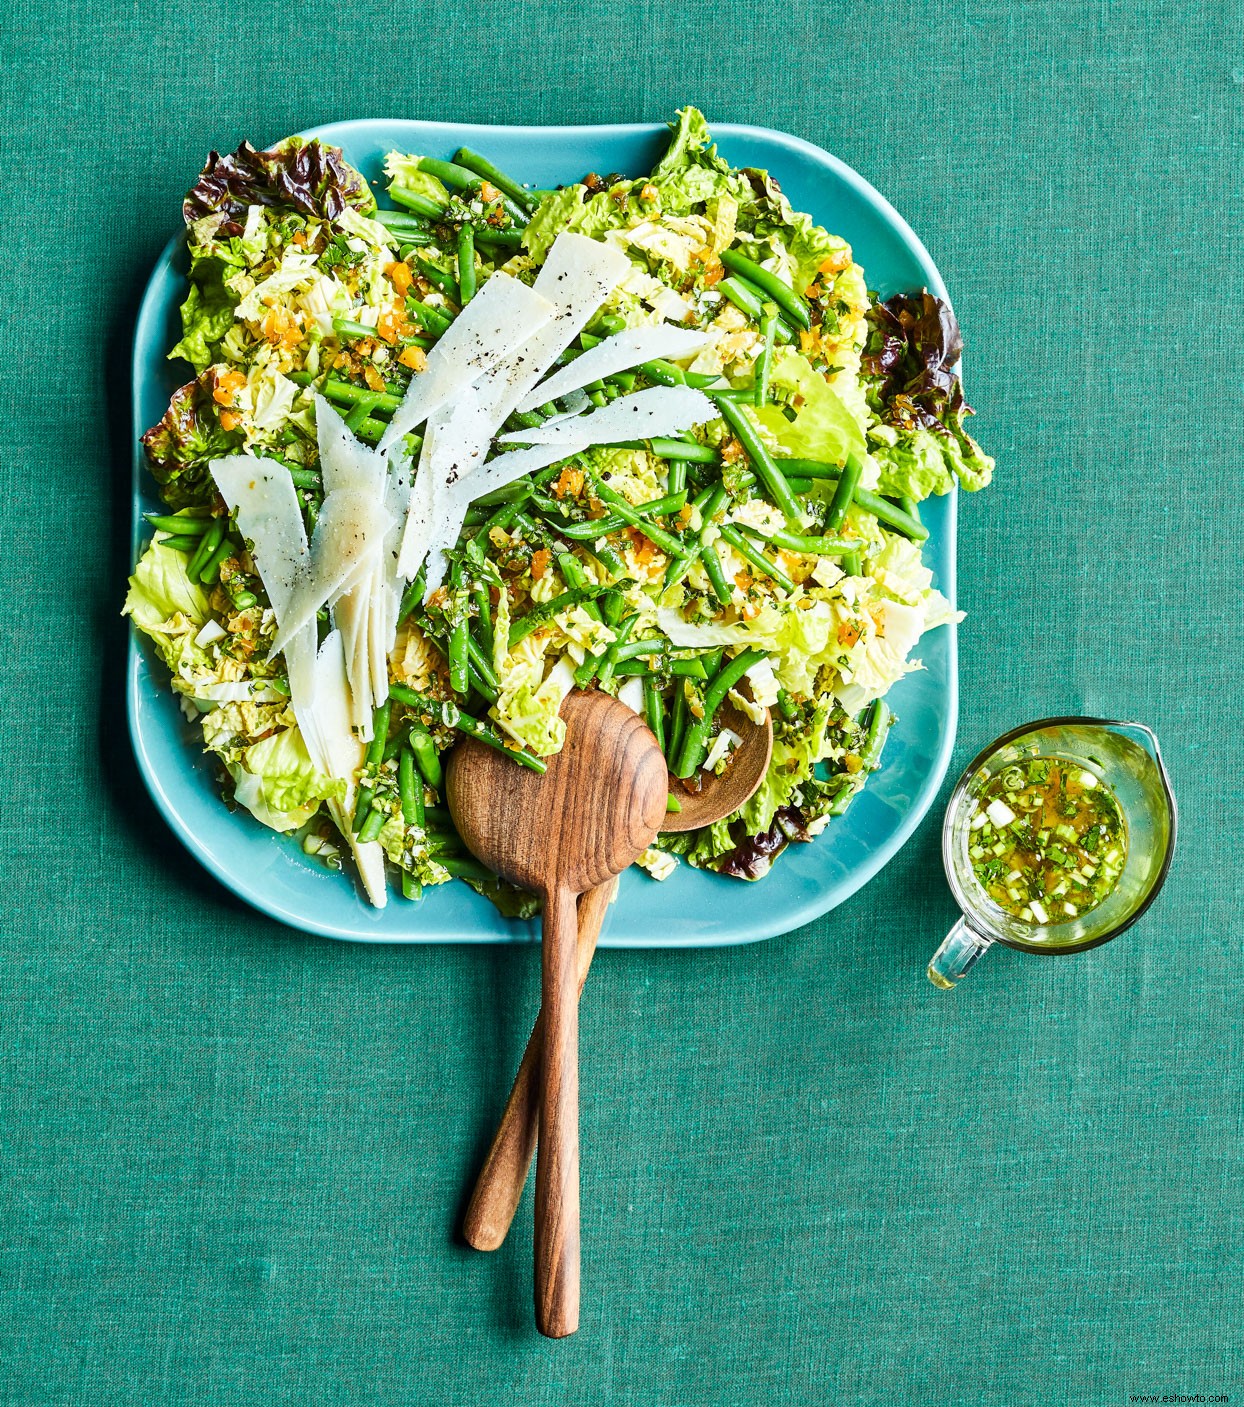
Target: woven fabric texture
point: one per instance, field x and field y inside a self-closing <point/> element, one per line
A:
<point x="234" y="1156"/>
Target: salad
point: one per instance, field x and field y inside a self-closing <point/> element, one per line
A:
<point x="438" y="464"/>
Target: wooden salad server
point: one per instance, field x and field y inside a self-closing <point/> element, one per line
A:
<point x="562" y="833"/>
<point x="499" y="1186"/>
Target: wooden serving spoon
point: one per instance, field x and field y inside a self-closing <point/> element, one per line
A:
<point x="499" y="1187"/>
<point x="596" y="809"/>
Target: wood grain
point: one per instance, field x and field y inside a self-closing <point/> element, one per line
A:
<point x="597" y="807"/>
<point x="499" y="1186"/>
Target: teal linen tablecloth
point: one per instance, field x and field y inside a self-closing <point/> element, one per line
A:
<point x="234" y="1155"/>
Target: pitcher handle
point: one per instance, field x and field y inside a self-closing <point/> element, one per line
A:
<point x="960" y="949"/>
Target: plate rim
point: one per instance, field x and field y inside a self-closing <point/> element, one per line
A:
<point x="795" y="916"/>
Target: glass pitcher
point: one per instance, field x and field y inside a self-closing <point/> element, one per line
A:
<point x="1126" y="757"/>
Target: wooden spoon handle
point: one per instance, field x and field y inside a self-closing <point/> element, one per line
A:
<point x="557" y="1162"/>
<point x="499" y="1187"/>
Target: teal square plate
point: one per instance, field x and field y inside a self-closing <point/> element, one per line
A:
<point x="691" y="908"/>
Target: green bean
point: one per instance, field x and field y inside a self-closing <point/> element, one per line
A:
<point x="463" y="867"/>
<point x="424" y="749"/>
<point x="243" y="600"/>
<point x="608" y="558"/>
<point x="672" y="804"/>
<point x="372" y="429"/>
<point x="610" y="661"/>
<point x="373" y="759"/>
<point x="710" y="504"/>
<point x="436" y="322"/>
<point x="744" y="548"/>
<point x="345" y="393"/>
<point x="473" y="161"/>
<point x="411" y="597"/>
<point x="178" y="524"/>
<point x="483" y="666"/>
<point x="466" y="265"/>
<point x="373" y="824"/>
<point x="304" y="478"/>
<point x="438" y="278"/>
<point x="786" y="707"/>
<point x="764" y="363"/>
<point x="586" y="672"/>
<point x="361" y="409"/>
<point x="809" y="546"/>
<point x="459" y="632"/>
<point x="574" y="576"/>
<point x="633" y="669"/>
<point x="593" y="528"/>
<point x="483" y="609"/>
<point x="677" y="477"/>
<point x="182" y="542"/>
<point x="534" y="619"/>
<point x="406" y="228"/>
<point x="748" y="480"/>
<point x="670" y="449"/>
<point x="678" y="723"/>
<point x="693" y="748"/>
<point x="461" y="178"/>
<point x="411" y="887"/>
<point x="451" y="716"/>
<point x="751" y="302"/>
<point x="420" y="204"/>
<point x="208" y="544"/>
<point x="782" y="293"/>
<point x="875" y="736"/>
<point x="505" y="239"/>
<point x="654" y="711"/>
<point x="613" y="603"/>
<point x="507" y="493"/>
<point x="910" y="506"/>
<point x="476" y="681"/>
<point x="410" y="787"/>
<point x="762" y="460"/>
<point x="864" y="499"/>
<point x="344" y="327"/>
<point x="211" y="568"/>
<point x="622" y="509"/>
<point x="712" y="565"/>
<point x="852" y="565"/>
<point x="687" y="669"/>
<point x="392" y="748"/>
<point x="841" y="501"/>
<point x="677" y="568"/>
<point x="624" y="381"/>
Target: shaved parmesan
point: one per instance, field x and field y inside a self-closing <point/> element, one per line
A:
<point x="577" y="276"/>
<point x="261" y="494"/>
<point x="345" y="463"/>
<point x="660" y="410"/>
<point x="617" y="353"/>
<point x="341" y="754"/>
<point x="349" y="532"/>
<point x="494" y="324"/>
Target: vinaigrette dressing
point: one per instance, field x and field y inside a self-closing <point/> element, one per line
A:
<point x="1047" y="840"/>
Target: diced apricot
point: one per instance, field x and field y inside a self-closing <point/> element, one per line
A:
<point x="400" y="276"/>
